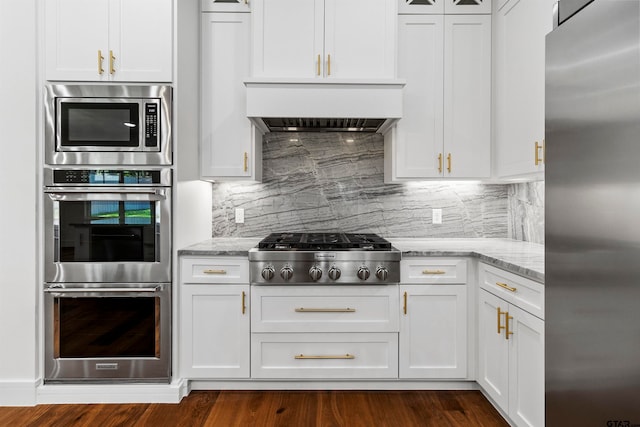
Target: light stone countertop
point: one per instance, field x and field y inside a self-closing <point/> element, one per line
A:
<point x="523" y="258"/>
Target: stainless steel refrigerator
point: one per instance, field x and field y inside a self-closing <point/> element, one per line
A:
<point x="592" y="180"/>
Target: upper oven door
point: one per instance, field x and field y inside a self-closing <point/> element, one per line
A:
<point x="107" y="125"/>
<point x="107" y="234"/>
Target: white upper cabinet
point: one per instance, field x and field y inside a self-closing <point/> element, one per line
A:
<point x="444" y="6"/>
<point x="231" y="146"/>
<point x="109" y="40"/>
<point x="226" y="6"/>
<point x="350" y="39"/>
<point x="520" y="29"/>
<point x="445" y="129"/>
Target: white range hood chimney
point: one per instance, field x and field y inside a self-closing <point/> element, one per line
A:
<point x="324" y="105"/>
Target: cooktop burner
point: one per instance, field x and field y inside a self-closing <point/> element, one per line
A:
<point x="324" y="241"/>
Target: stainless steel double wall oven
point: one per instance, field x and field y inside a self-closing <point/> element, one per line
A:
<point x="107" y="233"/>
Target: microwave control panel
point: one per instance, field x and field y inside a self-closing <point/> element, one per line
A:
<point x="151" y="124"/>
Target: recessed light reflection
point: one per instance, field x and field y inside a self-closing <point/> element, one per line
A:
<point x="293" y="139"/>
<point x="129" y="125"/>
<point x="349" y="140"/>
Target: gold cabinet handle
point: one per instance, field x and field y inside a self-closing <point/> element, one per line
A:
<point x="328" y="65"/>
<point x="433" y="272"/>
<point x="544" y="152"/>
<point x="246" y="1"/>
<point x="507" y="287"/>
<point x="325" y="310"/>
<point x="440" y="163"/>
<point x="318" y="64"/>
<point x="507" y="332"/>
<point x="215" y="271"/>
<point x="246" y="161"/>
<point x="449" y="162"/>
<point x="404" y="307"/>
<point x="340" y="356"/>
<point x="100" y="59"/>
<point x="112" y="60"/>
<point x="244" y="300"/>
<point x="500" y="313"/>
<point x="538" y="160"/>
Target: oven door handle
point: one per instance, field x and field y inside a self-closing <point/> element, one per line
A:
<point x="55" y="290"/>
<point x="106" y="194"/>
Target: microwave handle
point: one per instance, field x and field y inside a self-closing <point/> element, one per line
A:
<point x="73" y="194"/>
<point x="57" y="290"/>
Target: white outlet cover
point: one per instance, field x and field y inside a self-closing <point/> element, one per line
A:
<point x="436" y="216"/>
<point x="239" y="216"/>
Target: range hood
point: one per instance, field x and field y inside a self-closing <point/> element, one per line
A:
<point x="322" y="105"/>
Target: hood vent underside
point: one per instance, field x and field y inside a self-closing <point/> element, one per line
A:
<point x="278" y="124"/>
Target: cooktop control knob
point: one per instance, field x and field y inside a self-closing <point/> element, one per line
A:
<point x="286" y="272"/>
<point x="334" y="273"/>
<point x="363" y="273"/>
<point x="382" y="273"/>
<point x="268" y="272"/>
<point x="315" y="273"/>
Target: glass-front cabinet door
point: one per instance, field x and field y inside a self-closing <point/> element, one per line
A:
<point x="226" y="5"/>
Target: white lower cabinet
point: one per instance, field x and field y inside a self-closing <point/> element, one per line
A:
<point x="433" y="331"/>
<point x="511" y="356"/>
<point x="214" y="319"/>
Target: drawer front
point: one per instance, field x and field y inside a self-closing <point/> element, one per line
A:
<point x="214" y="270"/>
<point x="325" y="308"/>
<point x="433" y="270"/>
<point x="324" y="356"/>
<point x="517" y="290"/>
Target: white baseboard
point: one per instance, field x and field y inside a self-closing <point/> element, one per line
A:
<point x="330" y="385"/>
<point x="112" y="393"/>
<point x="18" y="393"/>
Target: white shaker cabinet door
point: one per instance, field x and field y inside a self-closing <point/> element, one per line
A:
<point x="288" y="38"/>
<point x="418" y="138"/>
<point x="77" y="40"/>
<point x="467" y="96"/>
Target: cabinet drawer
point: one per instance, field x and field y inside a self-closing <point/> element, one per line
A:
<point x="325" y="356"/>
<point x="324" y="308"/>
<point x="524" y="293"/>
<point x="433" y="270"/>
<point x="214" y="270"/>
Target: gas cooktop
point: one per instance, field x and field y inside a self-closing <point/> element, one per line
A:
<point x="323" y="241"/>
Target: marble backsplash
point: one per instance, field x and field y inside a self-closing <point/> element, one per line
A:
<point x="526" y="211"/>
<point x="334" y="181"/>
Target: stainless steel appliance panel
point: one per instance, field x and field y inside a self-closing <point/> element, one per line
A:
<point x="56" y="153"/>
<point x="592" y="277"/>
<point x="101" y="332"/>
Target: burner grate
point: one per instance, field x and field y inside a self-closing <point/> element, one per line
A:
<point x="324" y="241"/>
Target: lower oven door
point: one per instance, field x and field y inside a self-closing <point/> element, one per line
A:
<point x="107" y="332"/>
<point x="107" y="235"/>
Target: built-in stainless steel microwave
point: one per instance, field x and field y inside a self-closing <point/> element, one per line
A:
<point x="108" y="125"/>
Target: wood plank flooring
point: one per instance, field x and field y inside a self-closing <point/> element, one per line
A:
<point x="274" y="408"/>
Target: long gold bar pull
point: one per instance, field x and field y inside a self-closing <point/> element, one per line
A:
<point x="433" y="272"/>
<point x="544" y="152"/>
<point x="404" y="307"/>
<point x="319" y="64"/>
<point x="507" y="287"/>
<point x="215" y="271"/>
<point x="537" y="154"/>
<point x="500" y="313"/>
<point x="328" y="65"/>
<point x="325" y="310"/>
<point x="507" y="332"/>
<point x="449" y="162"/>
<point x="440" y="163"/>
<point x="112" y="60"/>
<point x="340" y="356"/>
<point x="244" y="300"/>
<point x="246" y="161"/>
<point x="100" y="59"/>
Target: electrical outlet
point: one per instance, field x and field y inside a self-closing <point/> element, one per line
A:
<point x="436" y="216"/>
<point x="239" y="216"/>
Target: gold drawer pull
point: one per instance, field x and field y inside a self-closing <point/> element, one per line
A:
<point x="505" y="286"/>
<point x="325" y="310"/>
<point x="215" y="271"/>
<point x="433" y="272"/>
<point x="440" y="163"/>
<point x="507" y="332"/>
<point x="500" y="313"/>
<point x="345" y="356"/>
<point x="244" y="302"/>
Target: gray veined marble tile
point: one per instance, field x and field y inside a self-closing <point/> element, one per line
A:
<point x="323" y="181"/>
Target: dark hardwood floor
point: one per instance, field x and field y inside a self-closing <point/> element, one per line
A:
<point x="274" y="408"/>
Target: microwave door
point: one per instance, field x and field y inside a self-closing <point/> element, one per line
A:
<point x="96" y="124"/>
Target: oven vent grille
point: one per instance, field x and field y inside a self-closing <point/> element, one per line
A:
<point x="278" y="124"/>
